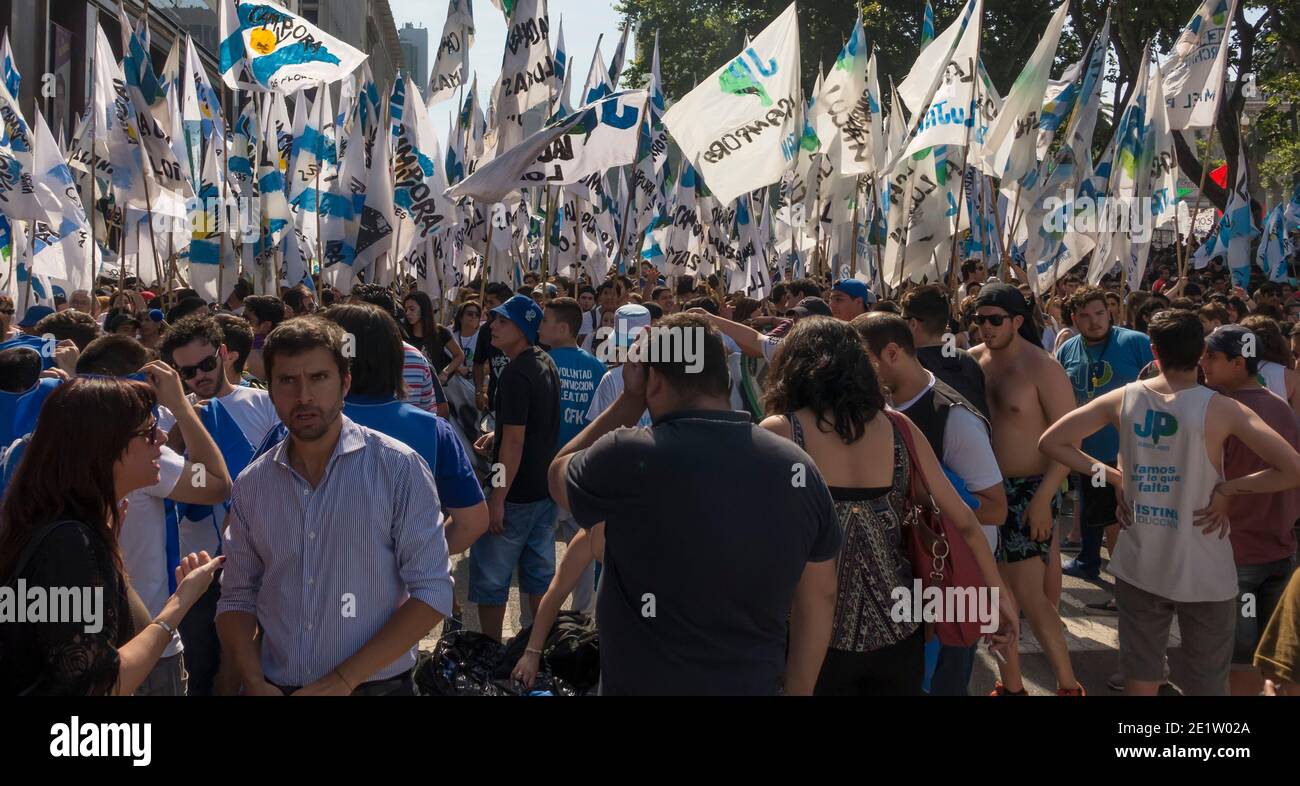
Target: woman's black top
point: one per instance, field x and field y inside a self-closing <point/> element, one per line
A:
<point x="62" y="656"/>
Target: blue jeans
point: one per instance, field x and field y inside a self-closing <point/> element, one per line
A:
<point x="528" y="542"/>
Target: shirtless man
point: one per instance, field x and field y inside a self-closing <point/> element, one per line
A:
<point x="1027" y="392"/>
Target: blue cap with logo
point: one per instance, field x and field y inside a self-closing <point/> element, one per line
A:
<point x="855" y="288"/>
<point x="525" y="313"/>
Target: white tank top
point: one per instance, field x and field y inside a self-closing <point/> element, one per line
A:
<point x="1272" y="376"/>
<point x="1168" y="476"/>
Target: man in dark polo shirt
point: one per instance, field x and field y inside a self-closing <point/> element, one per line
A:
<point x="716" y="533"/>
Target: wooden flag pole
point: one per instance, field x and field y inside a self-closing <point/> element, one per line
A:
<point x="1180" y="250"/>
<point x="546" y="238"/>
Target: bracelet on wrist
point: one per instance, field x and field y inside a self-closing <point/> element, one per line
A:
<point x="168" y="629"/>
<point x="533" y="651"/>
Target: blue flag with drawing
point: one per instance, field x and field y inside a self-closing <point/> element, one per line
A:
<point x="266" y="47"/>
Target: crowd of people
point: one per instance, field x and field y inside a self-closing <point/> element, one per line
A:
<point x="270" y="491"/>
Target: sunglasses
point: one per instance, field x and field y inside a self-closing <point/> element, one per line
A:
<point x="995" y="320"/>
<point x="152" y="434"/>
<point x="190" y="372"/>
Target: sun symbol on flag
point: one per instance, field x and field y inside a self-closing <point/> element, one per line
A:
<point x="263" y="41"/>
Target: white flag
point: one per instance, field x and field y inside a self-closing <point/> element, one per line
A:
<point x="1195" y="71"/>
<point x="848" y="107"/>
<point x="741" y="127"/>
<point x="592" y="140"/>
<point x="1010" y="150"/>
<point x="451" y="67"/>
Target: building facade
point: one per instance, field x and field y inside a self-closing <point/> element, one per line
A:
<point x="415" y="53"/>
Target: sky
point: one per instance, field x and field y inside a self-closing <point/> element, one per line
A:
<point x="584" y="22"/>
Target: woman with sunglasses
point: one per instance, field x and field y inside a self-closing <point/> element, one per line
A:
<point x="96" y="441"/>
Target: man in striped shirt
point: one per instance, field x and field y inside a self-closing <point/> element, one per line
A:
<point x="335" y="544"/>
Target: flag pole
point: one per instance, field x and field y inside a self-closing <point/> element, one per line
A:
<point x="1181" y="249"/>
<point x="546" y="238"/>
<point x="320" y="115"/>
<point x="857" y="200"/>
<point x="31" y="263"/>
<point x="965" y="154"/>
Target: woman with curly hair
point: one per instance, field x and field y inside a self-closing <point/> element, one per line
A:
<point x="823" y="382"/>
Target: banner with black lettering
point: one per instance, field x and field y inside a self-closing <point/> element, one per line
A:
<point x="592" y="140"/>
<point x="741" y="127"/>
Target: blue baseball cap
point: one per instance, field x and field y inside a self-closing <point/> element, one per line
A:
<point x="525" y="313"/>
<point x="35" y="314"/>
<point x="629" y="322"/>
<point x="855" y="288"/>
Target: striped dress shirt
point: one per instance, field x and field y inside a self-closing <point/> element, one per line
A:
<point x="324" y="569"/>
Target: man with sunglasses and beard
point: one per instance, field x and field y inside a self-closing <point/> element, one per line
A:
<point x="1027" y="392"/>
<point x="238" y="417"/>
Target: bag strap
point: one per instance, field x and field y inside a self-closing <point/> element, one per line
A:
<point x="796" y="430"/>
<point x="35" y="543"/>
<point x="902" y="426"/>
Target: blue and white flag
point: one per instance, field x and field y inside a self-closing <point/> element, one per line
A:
<point x="13" y="80"/>
<point x="266" y="47"/>
<point x="1276" y="247"/>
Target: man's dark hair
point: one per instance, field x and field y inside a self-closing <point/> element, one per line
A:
<point x="806" y="288"/>
<point x="1215" y="312"/>
<point x="568" y="312"/>
<point x="295" y="298"/>
<point x="1193" y="290"/>
<point x="199" y="327"/>
<point x="887" y="306"/>
<point x="114" y="356"/>
<point x="377" y="295"/>
<point x="525" y="290"/>
<point x="377" y="364"/>
<point x="238" y="338"/>
<point x="778" y="293"/>
<point x="685" y="285"/>
<point x="1269" y="310"/>
<point x="20" y="368"/>
<point x="657" y="291"/>
<point x="265" y="308"/>
<point x="930" y="306"/>
<point x="707" y="303"/>
<point x="185" y="308"/>
<point x="1085" y="295"/>
<point x="303" y="334"/>
<point x="116" y="319"/>
<point x="1144" y="314"/>
<point x="970" y="266"/>
<point x="500" y="291"/>
<point x="656" y="311"/>
<point x="823" y="366"/>
<point x="242" y="289"/>
<point x="70" y="324"/>
<point x="1178" y="338"/>
<point x="586" y="289"/>
<point x="713" y="379"/>
<point x="880" y="330"/>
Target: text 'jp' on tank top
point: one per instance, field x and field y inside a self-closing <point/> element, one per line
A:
<point x="1167" y="477"/>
